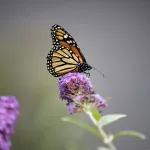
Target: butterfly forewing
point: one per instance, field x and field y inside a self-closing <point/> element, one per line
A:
<point x="61" y="37"/>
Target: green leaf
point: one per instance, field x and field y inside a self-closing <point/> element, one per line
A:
<point x="130" y="133"/>
<point x="107" y="119"/>
<point x="82" y="125"/>
<point x="95" y="114"/>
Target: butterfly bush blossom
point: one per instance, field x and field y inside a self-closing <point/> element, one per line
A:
<point x="76" y="87"/>
<point x="8" y="115"/>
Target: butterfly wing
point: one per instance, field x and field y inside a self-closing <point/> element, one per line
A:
<point x="61" y="60"/>
<point x="61" y="37"/>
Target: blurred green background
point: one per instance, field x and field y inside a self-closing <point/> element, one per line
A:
<point x="114" y="37"/>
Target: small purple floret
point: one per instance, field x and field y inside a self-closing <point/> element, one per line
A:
<point x="77" y="87"/>
<point x="8" y="114"/>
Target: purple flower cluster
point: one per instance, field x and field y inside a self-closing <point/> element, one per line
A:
<point x="8" y="115"/>
<point x="76" y="87"/>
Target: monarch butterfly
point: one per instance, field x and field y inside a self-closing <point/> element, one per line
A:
<point x="65" y="56"/>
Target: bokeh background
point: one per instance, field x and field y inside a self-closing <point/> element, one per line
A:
<point x="114" y="37"/>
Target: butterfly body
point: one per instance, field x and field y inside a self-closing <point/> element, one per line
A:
<point x="83" y="67"/>
<point x="65" y="56"/>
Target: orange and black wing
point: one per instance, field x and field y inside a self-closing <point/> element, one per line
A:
<point x="61" y="37"/>
<point x="62" y="60"/>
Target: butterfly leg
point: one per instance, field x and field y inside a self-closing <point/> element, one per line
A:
<point x="88" y="74"/>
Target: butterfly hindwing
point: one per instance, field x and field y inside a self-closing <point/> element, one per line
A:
<point x="61" y="60"/>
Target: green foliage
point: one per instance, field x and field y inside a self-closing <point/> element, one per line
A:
<point x="100" y="122"/>
<point x="82" y="125"/>
<point x="130" y="133"/>
<point x="107" y="119"/>
<point x="95" y="114"/>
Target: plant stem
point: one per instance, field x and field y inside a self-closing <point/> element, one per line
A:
<point x="106" y="138"/>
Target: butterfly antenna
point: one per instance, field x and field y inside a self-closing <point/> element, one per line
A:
<point x="99" y="72"/>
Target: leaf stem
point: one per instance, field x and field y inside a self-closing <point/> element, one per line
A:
<point x="107" y="139"/>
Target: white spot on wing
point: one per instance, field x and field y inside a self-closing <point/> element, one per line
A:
<point x="66" y="35"/>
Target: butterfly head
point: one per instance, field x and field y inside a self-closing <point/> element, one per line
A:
<point x="84" y="67"/>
